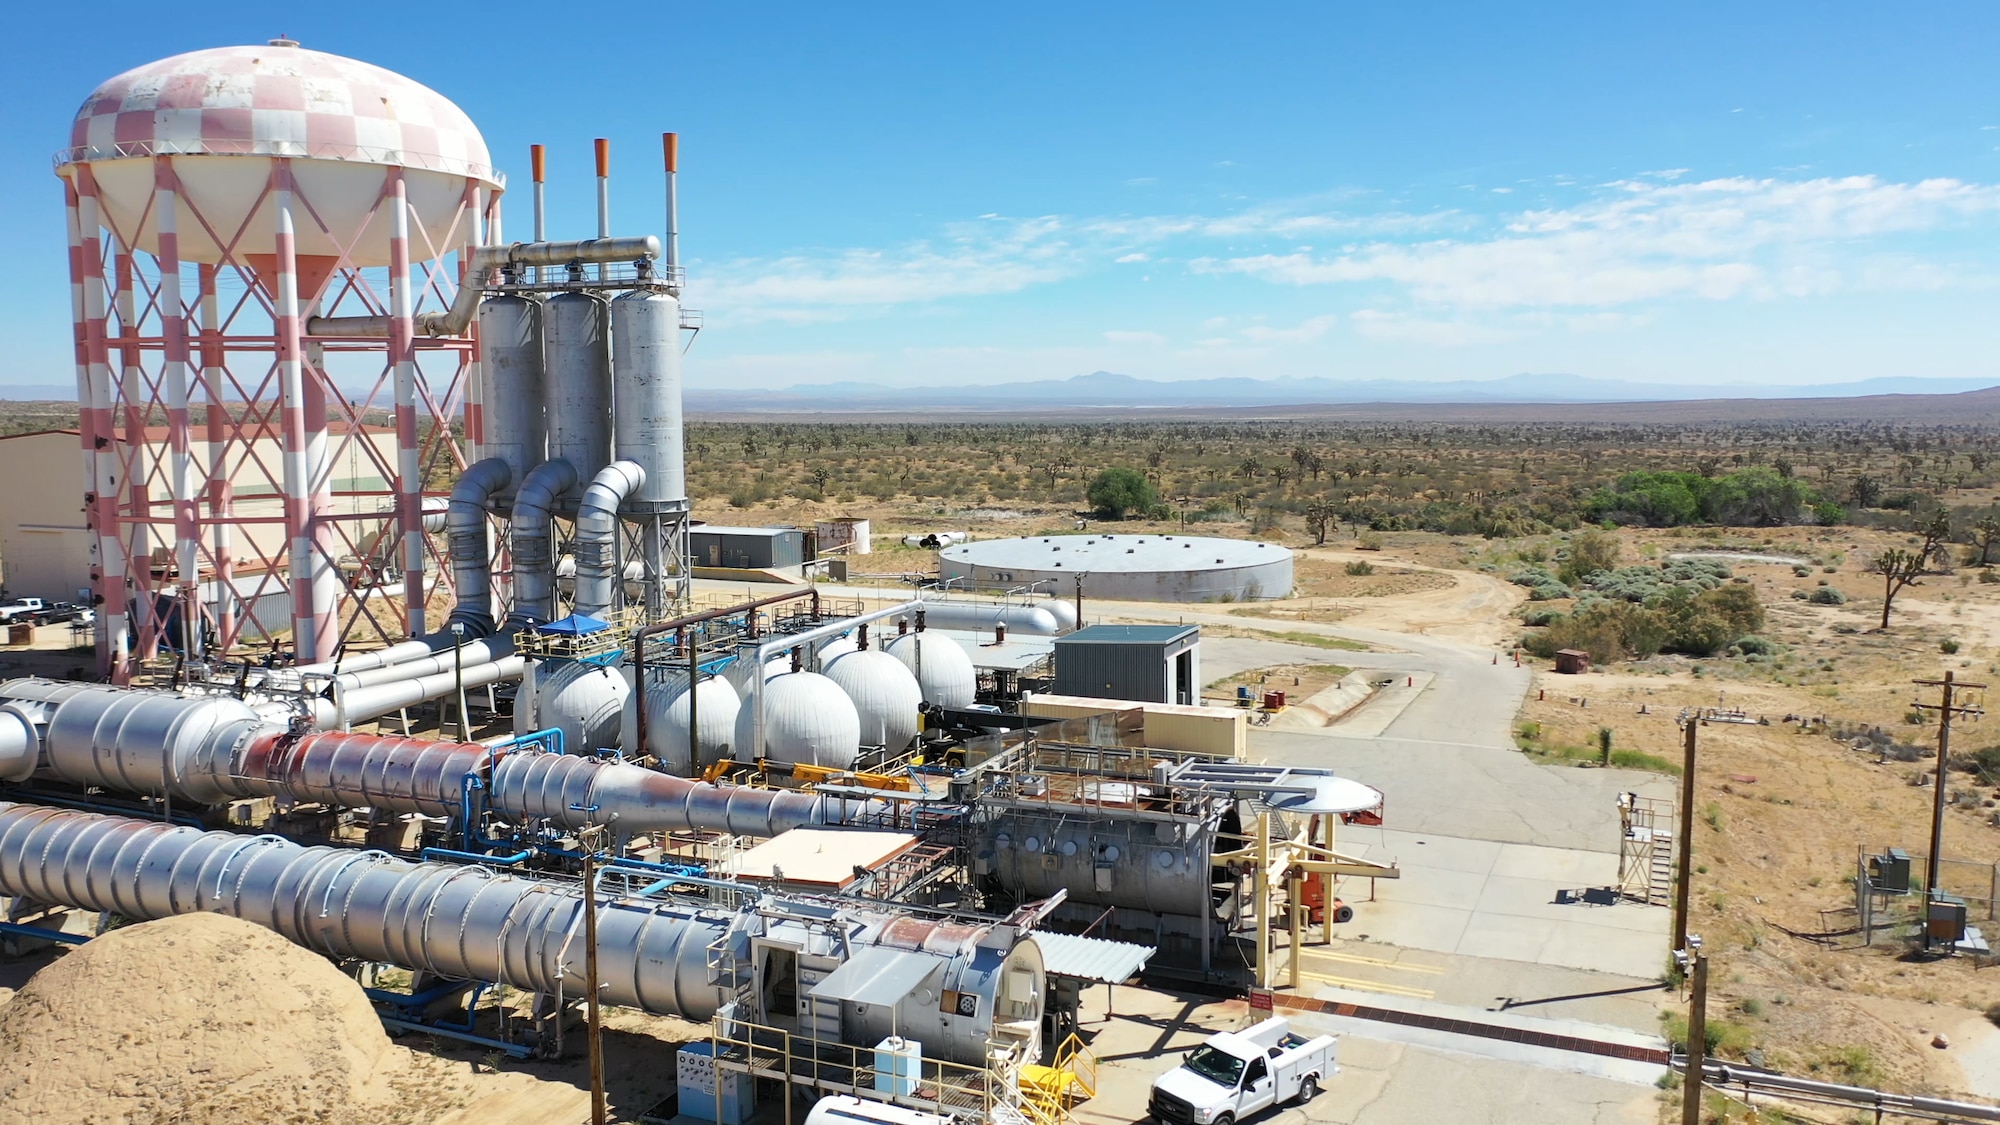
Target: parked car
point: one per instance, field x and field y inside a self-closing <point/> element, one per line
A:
<point x="22" y="609"/>
<point x="1239" y="1073"/>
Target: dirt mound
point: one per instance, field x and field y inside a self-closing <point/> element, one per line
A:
<point x="198" y="1018"/>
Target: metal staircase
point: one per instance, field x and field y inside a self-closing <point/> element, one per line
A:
<point x="1646" y="849"/>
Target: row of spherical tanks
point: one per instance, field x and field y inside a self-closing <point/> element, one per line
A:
<point x="860" y="697"/>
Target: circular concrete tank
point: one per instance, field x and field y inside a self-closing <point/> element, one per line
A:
<point x="1148" y="568"/>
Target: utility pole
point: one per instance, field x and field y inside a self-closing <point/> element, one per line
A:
<point x="597" y="1108"/>
<point x="1697" y="1044"/>
<point x="1684" y="870"/>
<point x="1946" y="707"/>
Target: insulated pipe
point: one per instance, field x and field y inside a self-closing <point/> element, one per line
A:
<point x="640" y="637"/>
<point x="210" y="749"/>
<point x="469" y="922"/>
<point x="20" y="744"/>
<point x="776" y="645"/>
<point x="479" y="266"/>
<point x="465" y="530"/>
<point x="452" y="921"/>
<point x="534" y="548"/>
<point x="597" y="534"/>
<point x="486" y="650"/>
<point x="366" y="703"/>
<point x="646" y="393"/>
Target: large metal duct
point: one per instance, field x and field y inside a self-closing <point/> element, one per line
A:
<point x="471" y="923"/>
<point x="577" y="392"/>
<point x="456" y="922"/>
<point x="209" y="749"/>
<point x="466" y="531"/>
<point x="534" y="544"/>
<point x="511" y="361"/>
<point x="1133" y="858"/>
<point x="597" y="570"/>
<point x="479" y="267"/>
<point x="646" y="384"/>
<point x="349" y="707"/>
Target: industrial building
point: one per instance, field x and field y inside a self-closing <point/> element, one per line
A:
<point x="1144" y="663"/>
<point x="1149" y="568"/>
<point x="832" y="831"/>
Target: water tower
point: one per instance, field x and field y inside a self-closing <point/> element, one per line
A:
<point x="217" y="201"/>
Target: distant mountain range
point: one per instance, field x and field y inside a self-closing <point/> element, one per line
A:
<point x="1108" y="390"/>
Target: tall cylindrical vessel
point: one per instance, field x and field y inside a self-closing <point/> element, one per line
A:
<point x="646" y="382"/>
<point x="577" y="395"/>
<point x="512" y="363"/>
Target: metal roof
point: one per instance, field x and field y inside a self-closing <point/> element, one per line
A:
<point x="1114" y="553"/>
<point x="754" y="532"/>
<point x="878" y="975"/>
<point x="1088" y="958"/>
<point x="1128" y="634"/>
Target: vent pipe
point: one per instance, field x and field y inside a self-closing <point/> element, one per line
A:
<point x="538" y="165"/>
<point x="478" y="276"/>
<point x="670" y="144"/>
<point x="603" y="188"/>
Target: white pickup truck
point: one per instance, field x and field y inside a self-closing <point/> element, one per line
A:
<point x="1239" y="1073"/>
<point x="25" y="609"/>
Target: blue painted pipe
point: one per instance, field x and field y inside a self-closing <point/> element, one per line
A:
<point x="519" y="857"/>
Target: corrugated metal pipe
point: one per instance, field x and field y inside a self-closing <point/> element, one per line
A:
<point x="465" y="529"/>
<point x="210" y="749"/>
<point x="597" y="534"/>
<point x="478" y="274"/>
<point x="456" y="922"/>
<point x="534" y="548"/>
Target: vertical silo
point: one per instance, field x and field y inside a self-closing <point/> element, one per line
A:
<point x="646" y="377"/>
<point x="577" y="392"/>
<point x="510" y="340"/>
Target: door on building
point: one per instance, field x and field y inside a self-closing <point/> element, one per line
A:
<point x="1185" y="689"/>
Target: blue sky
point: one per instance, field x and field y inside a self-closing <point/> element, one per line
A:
<point x="932" y="194"/>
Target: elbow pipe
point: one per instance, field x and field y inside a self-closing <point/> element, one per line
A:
<point x="597" y="534"/>
<point x="465" y="528"/>
<point x="534" y="550"/>
<point x="479" y="266"/>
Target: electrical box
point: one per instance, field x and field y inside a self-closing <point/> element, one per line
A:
<point x="1947" y="919"/>
<point x="707" y="1092"/>
<point x="899" y="1063"/>
<point x="1890" y="871"/>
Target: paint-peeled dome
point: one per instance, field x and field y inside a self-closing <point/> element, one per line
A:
<point x="885" y="695"/>
<point x="942" y="668"/>
<point x="807" y="720"/>
<point x="278" y="99"/>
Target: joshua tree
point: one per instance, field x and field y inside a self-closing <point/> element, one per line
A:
<point x="1900" y="568"/>
<point x="1321" y="517"/>
<point x="1985" y="534"/>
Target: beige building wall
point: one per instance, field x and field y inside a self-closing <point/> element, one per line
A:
<point x="1223" y="731"/>
<point x="44" y="543"/>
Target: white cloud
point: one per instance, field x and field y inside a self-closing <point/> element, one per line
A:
<point x="1643" y="241"/>
<point x="1135" y="256"/>
<point x="1304" y="332"/>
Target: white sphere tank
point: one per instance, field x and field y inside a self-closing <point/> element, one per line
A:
<point x="885" y="695"/>
<point x="807" y="720"/>
<point x="738" y="673"/>
<point x="585" y="702"/>
<point x="716" y="704"/>
<point x="223" y="117"/>
<point x="836" y="648"/>
<point x="942" y="668"/>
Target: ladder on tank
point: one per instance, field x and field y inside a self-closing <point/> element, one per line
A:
<point x="1646" y="849"/>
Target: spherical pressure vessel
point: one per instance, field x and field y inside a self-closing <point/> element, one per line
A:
<point x="511" y="364"/>
<point x="584" y="701"/>
<point x="225" y="117"/>
<point x="646" y="385"/>
<point x="577" y="394"/>
<point x="740" y="672"/>
<point x="836" y="648"/>
<point x="715" y="703"/>
<point x="807" y="719"/>
<point x="942" y="669"/>
<point x="885" y="695"/>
